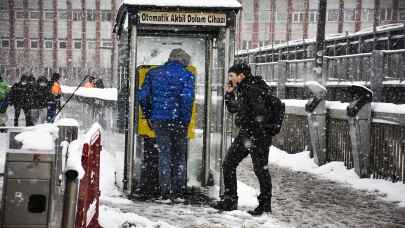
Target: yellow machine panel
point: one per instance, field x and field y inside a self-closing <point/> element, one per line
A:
<point x="143" y="127"/>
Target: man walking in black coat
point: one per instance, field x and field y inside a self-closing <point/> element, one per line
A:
<point x="245" y="96"/>
<point x="42" y="96"/>
<point x="21" y="98"/>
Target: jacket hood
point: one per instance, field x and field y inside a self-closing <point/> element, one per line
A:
<point x="253" y="80"/>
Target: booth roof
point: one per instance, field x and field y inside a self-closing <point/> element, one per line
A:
<point x="186" y="3"/>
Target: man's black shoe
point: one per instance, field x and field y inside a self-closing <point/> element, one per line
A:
<point x="226" y="204"/>
<point x="260" y="210"/>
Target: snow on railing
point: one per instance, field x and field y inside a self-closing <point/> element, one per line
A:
<point x="108" y="94"/>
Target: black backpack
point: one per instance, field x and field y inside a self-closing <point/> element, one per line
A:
<point x="276" y="113"/>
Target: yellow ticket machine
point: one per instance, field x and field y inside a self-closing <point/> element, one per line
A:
<point x="147" y="32"/>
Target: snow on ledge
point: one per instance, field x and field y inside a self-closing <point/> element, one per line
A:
<point x="94" y="130"/>
<point x="388" y="108"/>
<point x="74" y="158"/>
<point x="67" y="122"/>
<point x="109" y="94"/>
<point x="39" y="137"/>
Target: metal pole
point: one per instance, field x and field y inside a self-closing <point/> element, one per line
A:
<point x="320" y="39"/>
<point x="376" y="21"/>
<point x="133" y="114"/>
<point x="70" y="199"/>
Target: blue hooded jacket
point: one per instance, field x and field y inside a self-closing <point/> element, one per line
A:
<point x="167" y="93"/>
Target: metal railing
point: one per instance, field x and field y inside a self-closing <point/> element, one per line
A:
<point x="387" y="145"/>
<point x="348" y="67"/>
<point x="394" y="65"/>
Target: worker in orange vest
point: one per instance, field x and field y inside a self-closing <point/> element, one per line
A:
<point x="56" y="91"/>
<point x="90" y="83"/>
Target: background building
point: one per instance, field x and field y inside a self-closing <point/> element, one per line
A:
<point x="263" y="22"/>
<point x="73" y="37"/>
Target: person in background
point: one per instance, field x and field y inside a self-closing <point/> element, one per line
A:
<point x="4" y="101"/>
<point x="42" y="96"/>
<point x="90" y="82"/>
<point x="18" y="98"/>
<point x="56" y="94"/>
<point x="99" y="83"/>
<point x="166" y="97"/>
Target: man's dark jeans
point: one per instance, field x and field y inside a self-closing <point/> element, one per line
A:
<point x="171" y="139"/>
<point x="258" y="148"/>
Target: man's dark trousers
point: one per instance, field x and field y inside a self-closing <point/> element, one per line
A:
<point x="258" y="148"/>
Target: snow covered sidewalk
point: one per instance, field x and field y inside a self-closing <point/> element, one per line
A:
<point x="304" y="195"/>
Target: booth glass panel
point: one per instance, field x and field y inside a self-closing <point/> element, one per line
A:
<point x="155" y="50"/>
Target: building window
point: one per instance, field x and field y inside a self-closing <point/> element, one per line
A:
<point x="63" y="14"/>
<point x="49" y="15"/>
<point x="313" y="17"/>
<point x="402" y="14"/>
<point x="3" y="5"/>
<point x="62" y="44"/>
<point x="366" y="15"/>
<point x="4" y="15"/>
<point x="91" y="45"/>
<point x="35" y="15"/>
<point x="5" y="43"/>
<point x="107" y="44"/>
<point x="91" y="15"/>
<point x="298" y="17"/>
<point x="77" y="15"/>
<point x="350" y="14"/>
<point x="106" y="15"/>
<point x="34" y="43"/>
<point x="386" y="14"/>
<point x="333" y="15"/>
<point x="48" y="43"/>
<point x="20" y="14"/>
<point x="20" y="43"/>
<point x="244" y="45"/>
<point x="78" y="44"/>
<point x="281" y="17"/>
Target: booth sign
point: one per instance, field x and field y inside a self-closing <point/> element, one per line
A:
<point x="182" y="18"/>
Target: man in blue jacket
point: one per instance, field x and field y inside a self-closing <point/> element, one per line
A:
<point x="166" y="97"/>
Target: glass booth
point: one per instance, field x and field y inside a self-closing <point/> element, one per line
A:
<point x="205" y="29"/>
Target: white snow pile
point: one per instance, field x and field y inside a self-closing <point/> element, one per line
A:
<point x="186" y="3"/>
<point x="75" y="148"/>
<point x="337" y="171"/>
<point x="316" y="88"/>
<point x="109" y="94"/>
<point x="74" y="158"/>
<point x="67" y="122"/>
<point x="39" y="137"/>
<point x="114" y="218"/>
<point x="388" y="108"/>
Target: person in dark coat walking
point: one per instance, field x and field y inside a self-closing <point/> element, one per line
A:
<point x="245" y="96"/>
<point x="42" y="96"/>
<point x="20" y="99"/>
<point x="166" y="97"/>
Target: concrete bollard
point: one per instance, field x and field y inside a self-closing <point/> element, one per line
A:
<point x="316" y="109"/>
<point x="359" y="113"/>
